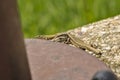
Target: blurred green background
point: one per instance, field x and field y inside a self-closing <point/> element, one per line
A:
<point x="52" y="16"/>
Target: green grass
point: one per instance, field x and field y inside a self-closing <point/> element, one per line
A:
<point x="52" y="16"/>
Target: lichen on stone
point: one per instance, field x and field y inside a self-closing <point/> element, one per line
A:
<point x="105" y="36"/>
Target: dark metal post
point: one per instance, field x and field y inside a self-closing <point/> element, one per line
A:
<point x="13" y="60"/>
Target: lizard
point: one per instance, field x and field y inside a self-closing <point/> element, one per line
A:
<point x="68" y="38"/>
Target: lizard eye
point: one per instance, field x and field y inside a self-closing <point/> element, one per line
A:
<point x="104" y="75"/>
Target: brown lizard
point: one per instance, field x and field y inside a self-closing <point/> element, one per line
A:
<point x="69" y="38"/>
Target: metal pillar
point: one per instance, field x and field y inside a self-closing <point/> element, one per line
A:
<point x="13" y="60"/>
